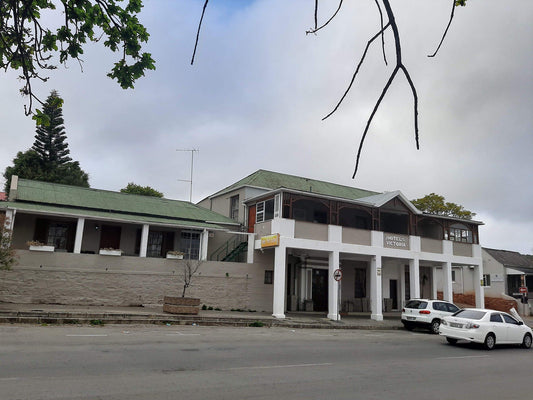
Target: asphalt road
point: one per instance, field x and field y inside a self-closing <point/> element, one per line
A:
<point x="191" y="362"/>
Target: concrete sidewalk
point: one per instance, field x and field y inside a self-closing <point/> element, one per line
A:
<point x="67" y="314"/>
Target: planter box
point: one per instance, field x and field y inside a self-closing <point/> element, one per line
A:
<point x="104" y="252"/>
<point x="181" y="305"/>
<point x="42" y="248"/>
<point x="175" y="256"/>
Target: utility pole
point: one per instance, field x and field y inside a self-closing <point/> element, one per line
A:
<point x="192" y="168"/>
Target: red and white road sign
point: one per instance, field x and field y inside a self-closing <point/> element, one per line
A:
<point x="337" y="275"/>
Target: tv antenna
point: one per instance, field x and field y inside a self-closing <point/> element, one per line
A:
<point x="192" y="168"/>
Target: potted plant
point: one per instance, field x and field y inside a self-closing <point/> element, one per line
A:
<point x="184" y="305"/>
<point x="35" y="245"/>
<point x="109" y="251"/>
<point x="175" y="255"/>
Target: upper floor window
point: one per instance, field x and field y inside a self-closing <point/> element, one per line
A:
<point x="460" y="233"/>
<point x="234" y="207"/>
<point x="264" y="210"/>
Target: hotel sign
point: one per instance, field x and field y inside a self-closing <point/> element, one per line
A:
<point x="395" y="241"/>
<point x="270" y="241"/>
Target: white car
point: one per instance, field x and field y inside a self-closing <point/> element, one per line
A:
<point x="425" y="313"/>
<point x="486" y="326"/>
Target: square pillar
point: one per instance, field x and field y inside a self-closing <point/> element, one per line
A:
<point x="402" y="287"/>
<point x="144" y="240"/>
<point x="333" y="287"/>
<point x="447" y="288"/>
<point x="204" y="239"/>
<point x="434" y="283"/>
<point x="414" y="278"/>
<point x="79" y="235"/>
<point x="478" y="287"/>
<point x="376" y="298"/>
<point x="280" y="264"/>
<point x="250" y="251"/>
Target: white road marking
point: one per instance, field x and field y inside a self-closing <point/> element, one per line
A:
<point x="85" y="335"/>
<point x="282" y="366"/>
<point x="181" y="334"/>
<point x="9" y="379"/>
<point x="460" y="357"/>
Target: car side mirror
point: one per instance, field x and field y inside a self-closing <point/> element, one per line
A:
<point x="520" y="323"/>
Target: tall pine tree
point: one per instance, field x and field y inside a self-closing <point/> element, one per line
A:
<point x="50" y="140"/>
<point x="48" y="159"/>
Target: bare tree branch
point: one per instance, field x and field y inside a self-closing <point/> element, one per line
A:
<point x="357" y="70"/>
<point x="446" y="31"/>
<point x="382" y="32"/>
<point x="198" y="33"/>
<point x="327" y="22"/>
<point x="399" y="65"/>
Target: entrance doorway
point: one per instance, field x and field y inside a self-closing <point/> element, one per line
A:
<point x="393" y="293"/>
<point x="320" y="290"/>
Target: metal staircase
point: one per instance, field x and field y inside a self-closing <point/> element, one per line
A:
<point x="232" y="250"/>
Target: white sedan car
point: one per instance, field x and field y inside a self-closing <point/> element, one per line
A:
<point x="486" y="326"/>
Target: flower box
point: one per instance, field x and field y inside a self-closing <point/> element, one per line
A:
<point x="175" y="256"/>
<point x="110" y="252"/>
<point x="41" y="248"/>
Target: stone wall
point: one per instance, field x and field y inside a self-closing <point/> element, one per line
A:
<point x="86" y="279"/>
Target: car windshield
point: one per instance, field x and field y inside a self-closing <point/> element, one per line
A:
<point x="417" y="304"/>
<point x="470" y="314"/>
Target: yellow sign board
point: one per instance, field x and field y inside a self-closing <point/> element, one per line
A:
<point x="270" y="240"/>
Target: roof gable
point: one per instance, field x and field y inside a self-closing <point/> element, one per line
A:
<point x="510" y="259"/>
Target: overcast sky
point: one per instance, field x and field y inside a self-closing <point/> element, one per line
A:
<point x="259" y="88"/>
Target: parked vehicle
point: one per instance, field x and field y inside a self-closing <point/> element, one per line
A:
<point x="427" y="314"/>
<point x="485" y="326"/>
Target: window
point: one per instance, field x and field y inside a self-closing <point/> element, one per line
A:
<point x="264" y="210"/>
<point x="486" y="280"/>
<point x="460" y="233"/>
<point x="509" y="319"/>
<point x="57" y="236"/>
<point x="269" y="277"/>
<point x="495" y="318"/>
<point x="190" y="245"/>
<point x="234" y="207"/>
<point x="453" y="275"/>
<point x="155" y="242"/>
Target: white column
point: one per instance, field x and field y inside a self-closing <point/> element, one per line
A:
<point x="414" y="278"/>
<point x="333" y="287"/>
<point x="478" y="288"/>
<point x="376" y="298"/>
<point x="204" y="240"/>
<point x="447" y="288"/>
<point x="144" y="240"/>
<point x="79" y="235"/>
<point x="250" y="253"/>
<point x="402" y="287"/>
<point x="278" y="303"/>
<point x="434" y="283"/>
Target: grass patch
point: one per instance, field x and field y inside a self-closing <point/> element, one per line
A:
<point x="257" y="324"/>
<point x="96" y="322"/>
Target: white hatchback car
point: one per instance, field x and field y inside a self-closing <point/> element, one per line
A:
<point x="426" y="313"/>
<point x="486" y="326"/>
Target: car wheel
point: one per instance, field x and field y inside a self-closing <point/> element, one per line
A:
<point x="490" y="341"/>
<point x="451" y="340"/>
<point x="435" y="324"/>
<point x="526" y="342"/>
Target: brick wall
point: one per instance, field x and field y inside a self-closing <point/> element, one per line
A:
<point x="494" y="303"/>
<point x="84" y="279"/>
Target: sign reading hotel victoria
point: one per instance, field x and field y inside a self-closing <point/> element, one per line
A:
<point x="396" y="241"/>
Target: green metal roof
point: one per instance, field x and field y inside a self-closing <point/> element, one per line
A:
<point x="104" y="202"/>
<point x="274" y="180"/>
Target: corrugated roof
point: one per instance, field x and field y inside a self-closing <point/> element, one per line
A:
<point x="73" y="197"/>
<point x="275" y="180"/>
<point x="510" y="259"/>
